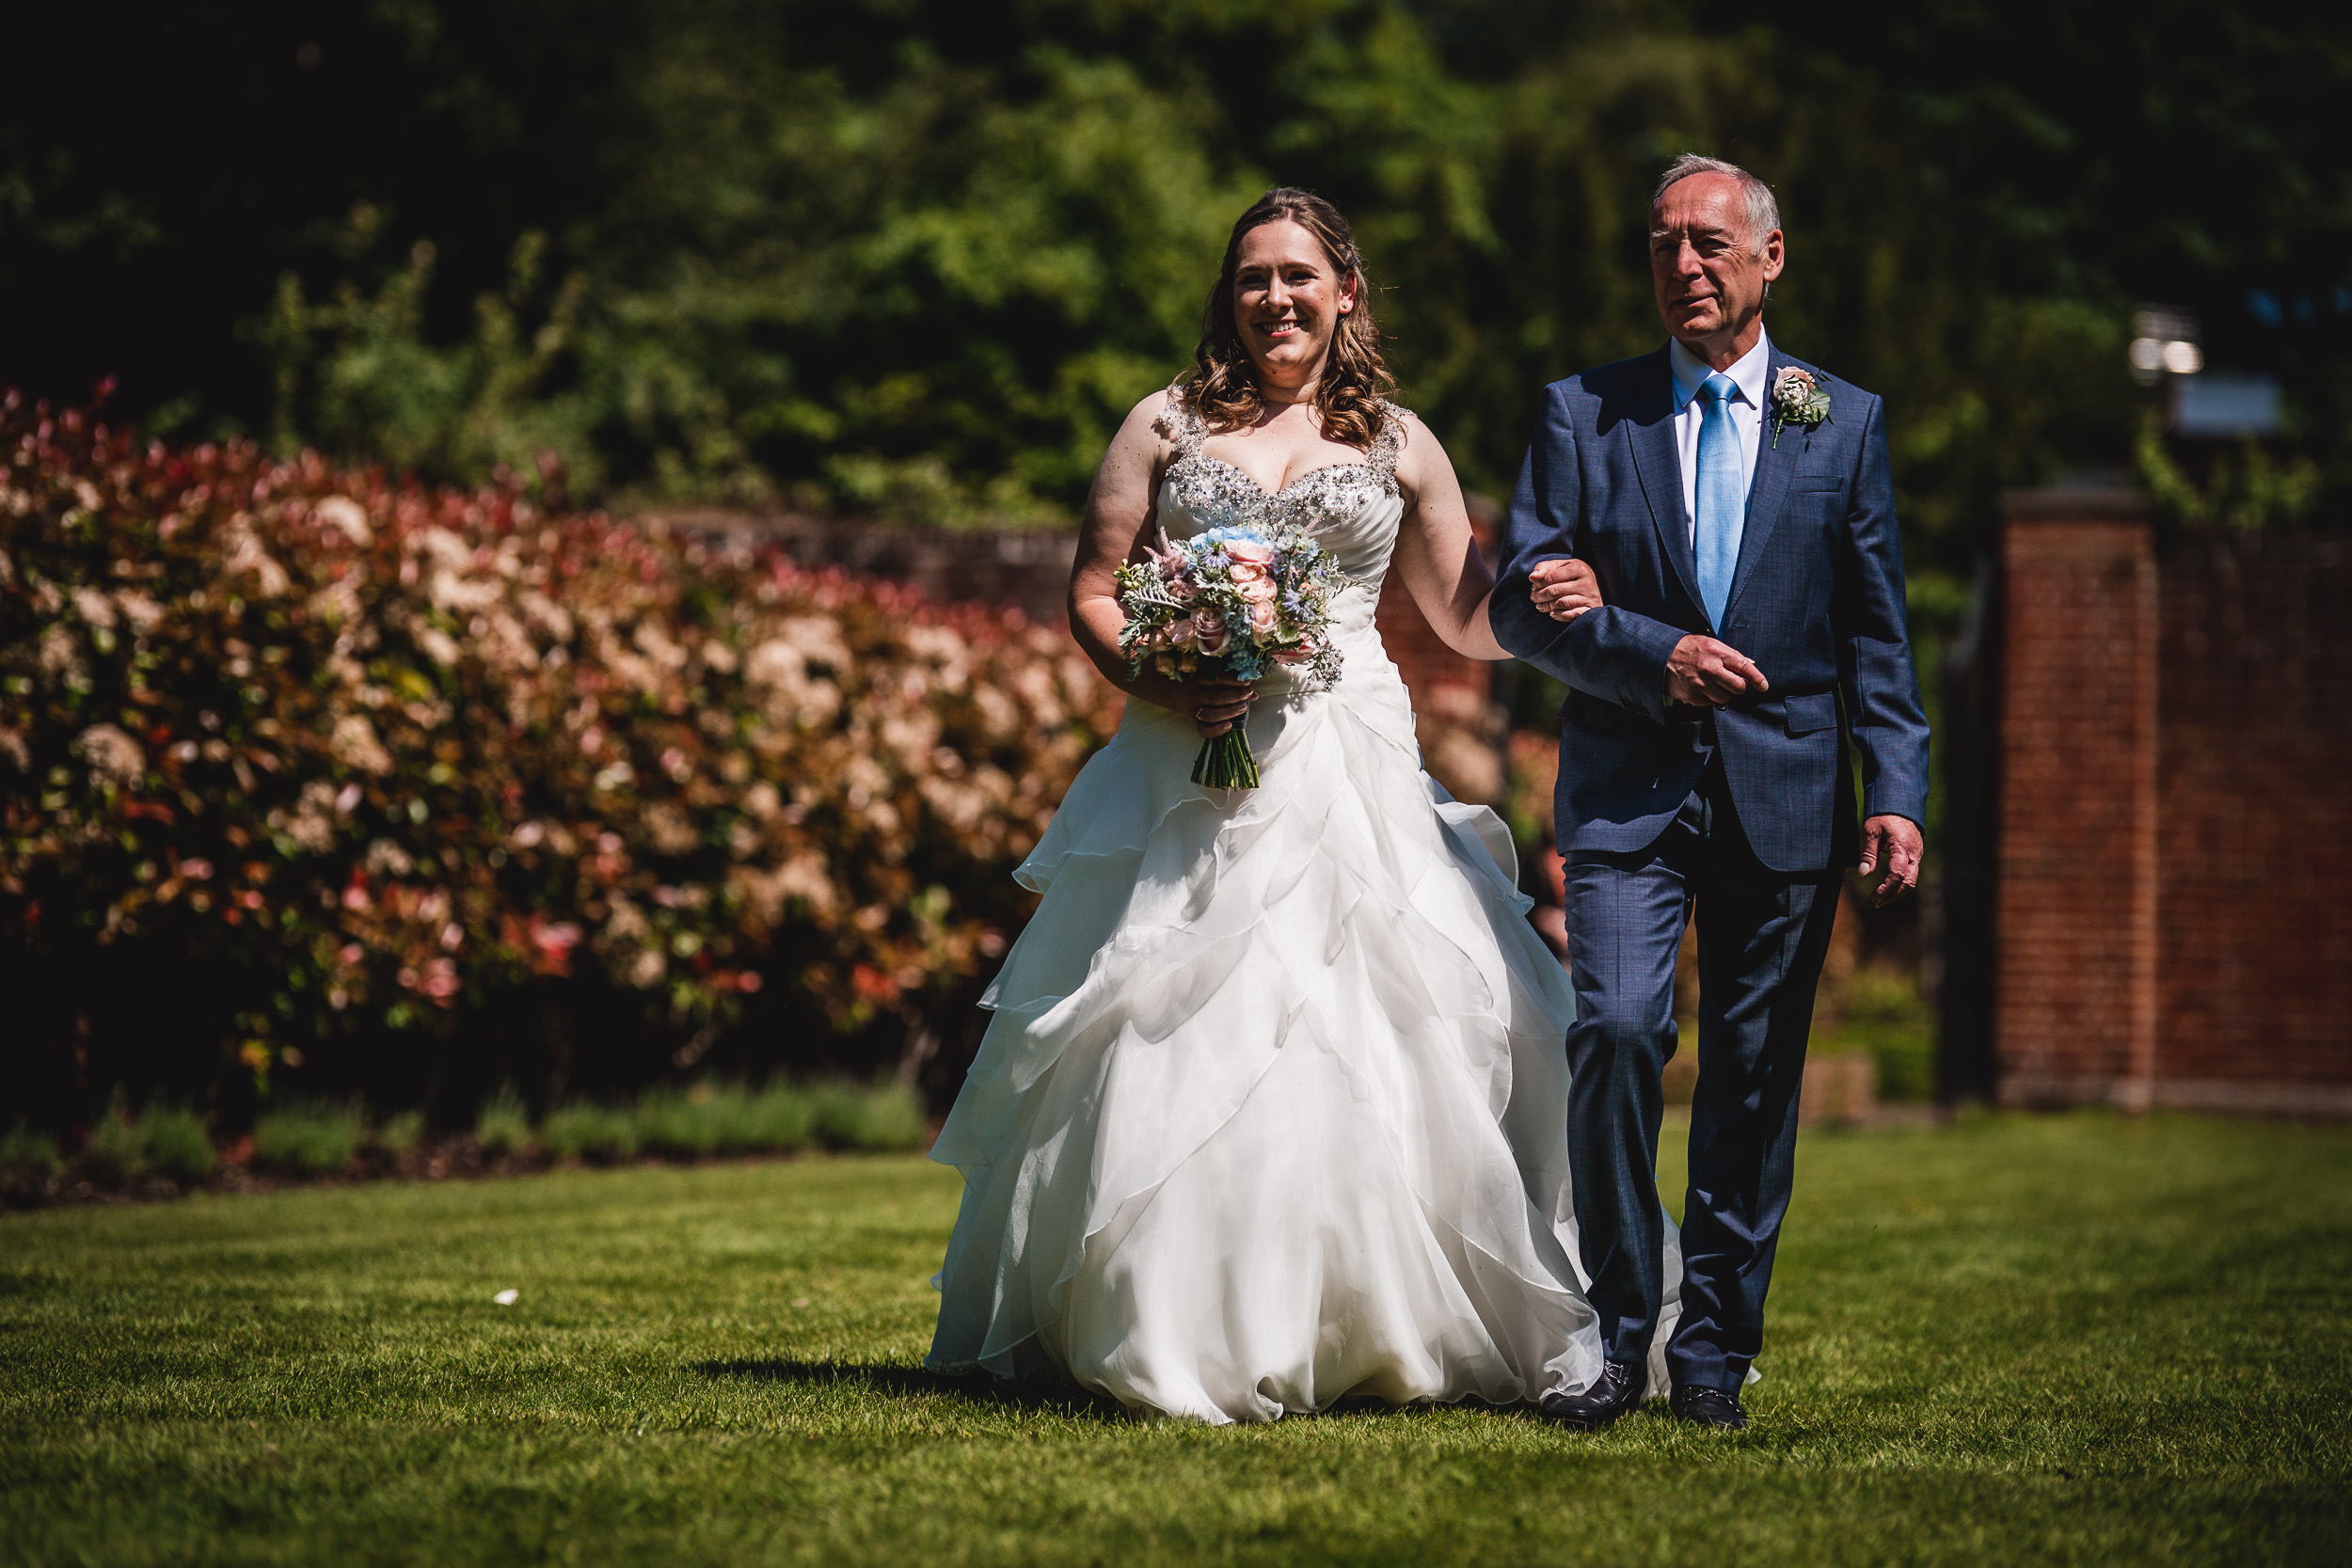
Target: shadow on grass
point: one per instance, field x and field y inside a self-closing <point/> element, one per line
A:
<point x="1026" y="1393"/>
<point x="1042" y="1391"/>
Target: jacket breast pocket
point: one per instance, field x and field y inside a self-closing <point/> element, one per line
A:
<point x="1810" y="714"/>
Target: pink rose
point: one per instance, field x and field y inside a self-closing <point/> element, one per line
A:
<point x="1293" y="656"/>
<point x="1210" y="631"/>
<point x="1261" y="592"/>
<point x="1262" y="616"/>
<point x="1242" y="573"/>
<point x="1174" y="634"/>
<point x="1252" y="552"/>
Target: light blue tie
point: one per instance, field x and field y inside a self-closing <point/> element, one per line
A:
<point x="1722" y="497"/>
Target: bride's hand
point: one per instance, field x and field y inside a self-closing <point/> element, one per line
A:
<point x="1212" y="705"/>
<point x="1564" y="590"/>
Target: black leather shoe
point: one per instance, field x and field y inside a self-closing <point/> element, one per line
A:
<point x="1710" y="1407"/>
<point x="1618" y="1391"/>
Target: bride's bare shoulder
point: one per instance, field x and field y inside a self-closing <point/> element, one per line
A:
<point x="1413" y="444"/>
<point x="1151" y="422"/>
<point x="1140" y="452"/>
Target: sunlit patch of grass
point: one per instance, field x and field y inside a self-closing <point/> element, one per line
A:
<point x="2075" y="1339"/>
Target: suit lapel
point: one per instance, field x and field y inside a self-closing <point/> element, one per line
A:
<point x="1774" y="464"/>
<point x="1659" y="468"/>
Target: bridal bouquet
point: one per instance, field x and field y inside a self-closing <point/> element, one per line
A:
<point x="1225" y="602"/>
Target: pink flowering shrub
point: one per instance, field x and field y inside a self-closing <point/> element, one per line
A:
<point x="371" y="756"/>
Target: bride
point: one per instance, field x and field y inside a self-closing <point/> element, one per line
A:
<point x="1272" y="1109"/>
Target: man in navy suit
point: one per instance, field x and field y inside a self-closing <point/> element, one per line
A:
<point x="1740" y="521"/>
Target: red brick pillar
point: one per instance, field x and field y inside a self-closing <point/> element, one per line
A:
<point x="2074" y="960"/>
<point x="1419" y="654"/>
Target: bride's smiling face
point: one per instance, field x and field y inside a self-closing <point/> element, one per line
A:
<point x="1288" y="299"/>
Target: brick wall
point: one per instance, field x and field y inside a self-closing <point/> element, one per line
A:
<point x="2074" y="1003"/>
<point x="1418" y="653"/>
<point x="2254" y="931"/>
<point x="1024" y="566"/>
<point x="1463" y="735"/>
<point x="2175" y="821"/>
<point x="1030" y="568"/>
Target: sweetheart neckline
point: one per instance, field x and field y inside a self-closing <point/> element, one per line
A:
<point x="1271" y="494"/>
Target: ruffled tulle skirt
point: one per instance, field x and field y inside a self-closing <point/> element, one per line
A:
<point x="1272" y="1107"/>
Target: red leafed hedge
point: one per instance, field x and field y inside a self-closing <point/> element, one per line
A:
<point x="338" y="763"/>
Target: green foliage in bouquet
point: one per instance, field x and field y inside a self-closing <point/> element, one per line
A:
<point x="373" y="754"/>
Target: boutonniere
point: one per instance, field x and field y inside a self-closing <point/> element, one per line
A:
<point x="1797" y="399"/>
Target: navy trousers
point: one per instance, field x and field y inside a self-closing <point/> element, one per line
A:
<point x="1762" y="936"/>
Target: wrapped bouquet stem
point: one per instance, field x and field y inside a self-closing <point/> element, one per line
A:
<point x="1226" y="604"/>
<point x="1226" y="761"/>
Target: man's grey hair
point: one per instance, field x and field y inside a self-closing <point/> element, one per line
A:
<point x="1763" y="210"/>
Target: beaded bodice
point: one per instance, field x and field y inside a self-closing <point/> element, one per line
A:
<point x="1352" y="508"/>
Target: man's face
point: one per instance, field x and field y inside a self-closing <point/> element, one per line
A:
<point x="1704" y="262"/>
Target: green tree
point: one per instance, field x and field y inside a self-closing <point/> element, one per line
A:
<point x="912" y="257"/>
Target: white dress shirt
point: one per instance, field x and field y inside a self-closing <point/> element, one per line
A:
<point x="1747" y="415"/>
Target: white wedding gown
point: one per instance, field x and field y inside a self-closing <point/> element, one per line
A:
<point x="1273" y="1107"/>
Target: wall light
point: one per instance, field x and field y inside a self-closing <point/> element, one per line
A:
<point x="2164" y="342"/>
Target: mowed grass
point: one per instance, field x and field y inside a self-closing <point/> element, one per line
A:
<point x="2074" y="1339"/>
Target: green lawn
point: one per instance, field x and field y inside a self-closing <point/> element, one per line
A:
<point x="2076" y="1340"/>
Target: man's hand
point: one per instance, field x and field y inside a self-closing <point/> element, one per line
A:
<point x="1564" y="590"/>
<point x="1709" y="673"/>
<point x="1894" y="845"/>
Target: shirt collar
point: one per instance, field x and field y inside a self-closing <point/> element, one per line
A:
<point x="1747" y="374"/>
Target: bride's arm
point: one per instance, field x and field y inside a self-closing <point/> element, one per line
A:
<point x="1437" y="556"/>
<point x="1118" y="523"/>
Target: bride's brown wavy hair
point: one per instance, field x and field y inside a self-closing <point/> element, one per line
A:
<point x="1223" y="384"/>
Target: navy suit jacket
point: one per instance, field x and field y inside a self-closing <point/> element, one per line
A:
<point x="1817" y="601"/>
